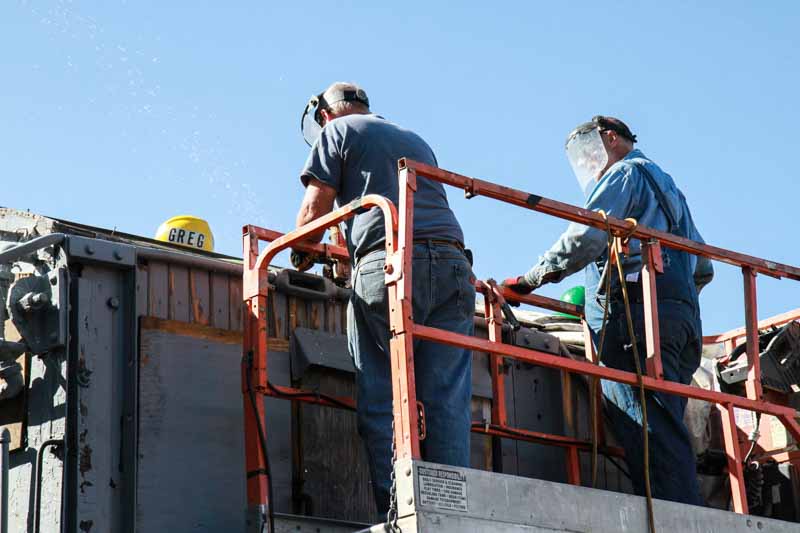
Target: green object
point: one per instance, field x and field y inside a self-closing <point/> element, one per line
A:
<point x="575" y="296"/>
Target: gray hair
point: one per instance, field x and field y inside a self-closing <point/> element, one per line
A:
<point x="344" y="106"/>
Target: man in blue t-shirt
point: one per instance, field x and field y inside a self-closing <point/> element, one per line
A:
<point x="355" y="153"/>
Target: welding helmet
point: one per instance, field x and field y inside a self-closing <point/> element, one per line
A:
<point x="188" y="231"/>
<point x="585" y="149"/>
<point x="311" y="122"/>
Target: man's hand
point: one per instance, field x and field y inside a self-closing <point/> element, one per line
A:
<point x="518" y="285"/>
<point x="302" y="261"/>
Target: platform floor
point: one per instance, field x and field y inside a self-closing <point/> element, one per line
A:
<point x="445" y="499"/>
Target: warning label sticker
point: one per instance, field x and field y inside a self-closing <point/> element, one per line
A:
<point x="744" y="419"/>
<point x="442" y="489"/>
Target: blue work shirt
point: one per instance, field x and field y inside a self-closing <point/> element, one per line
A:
<point x="622" y="192"/>
<point x="357" y="155"/>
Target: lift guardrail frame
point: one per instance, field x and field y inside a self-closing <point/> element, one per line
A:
<point x="399" y="230"/>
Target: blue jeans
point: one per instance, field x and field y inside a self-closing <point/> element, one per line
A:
<point x="673" y="470"/>
<point x="443" y="297"/>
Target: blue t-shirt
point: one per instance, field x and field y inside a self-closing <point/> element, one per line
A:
<point x="357" y="155"/>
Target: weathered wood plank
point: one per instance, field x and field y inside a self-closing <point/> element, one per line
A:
<point x="220" y="301"/>
<point x="330" y="318"/>
<point x="189" y="329"/>
<point x="333" y="460"/>
<point x="142" y="290"/>
<point x="178" y="308"/>
<point x="280" y="314"/>
<point x="271" y="312"/>
<point x="296" y="313"/>
<point x="481" y="445"/>
<point x="340" y="318"/>
<point x="316" y="315"/>
<point x="158" y="289"/>
<point x="235" y="302"/>
<point x="200" y="296"/>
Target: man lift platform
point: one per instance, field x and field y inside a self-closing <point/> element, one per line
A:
<point x="433" y="497"/>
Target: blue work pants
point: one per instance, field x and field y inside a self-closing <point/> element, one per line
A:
<point x="443" y="297"/>
<point x="673" y="470"/>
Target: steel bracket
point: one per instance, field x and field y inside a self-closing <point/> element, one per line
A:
<point x="394" y="267"/>
<point x="102" y="251"/>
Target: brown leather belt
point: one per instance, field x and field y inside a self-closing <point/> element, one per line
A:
<point x="441" y="242"/>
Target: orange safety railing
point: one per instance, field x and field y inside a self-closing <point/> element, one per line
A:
<point x="399" y="229"/>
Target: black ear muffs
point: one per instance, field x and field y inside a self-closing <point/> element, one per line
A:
<point x="347" y="95"/>
<point x="320" y="102"/>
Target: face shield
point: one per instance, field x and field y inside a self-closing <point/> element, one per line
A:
<point x="587" y="155"/>
<point x="311" y="123"/>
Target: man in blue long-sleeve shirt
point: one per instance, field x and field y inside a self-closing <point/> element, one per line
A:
<point x="624" y="183"/>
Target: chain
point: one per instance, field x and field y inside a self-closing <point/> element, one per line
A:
<point x="391" y="516"/>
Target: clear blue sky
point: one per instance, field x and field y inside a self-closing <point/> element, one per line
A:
<point x="122" y="114"/>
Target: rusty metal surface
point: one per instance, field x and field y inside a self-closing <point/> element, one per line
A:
<point x="100" y="409"/>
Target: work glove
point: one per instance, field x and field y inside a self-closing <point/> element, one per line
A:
<point x="302" y="261"/>
<point x="518" y="285"/>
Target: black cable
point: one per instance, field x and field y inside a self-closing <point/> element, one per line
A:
<point x="642" y="393"/>
<point x="753" y="439"/>
<point x="263" y="445"/>
<point x="594" y="381"/>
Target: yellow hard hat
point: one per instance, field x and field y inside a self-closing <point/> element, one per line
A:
<point x="186" y="230"/>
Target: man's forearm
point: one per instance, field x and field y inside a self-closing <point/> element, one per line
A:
<point x="309" y="214"/>
<point x="575" y="249"/>
<point x="317" y="202"/>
